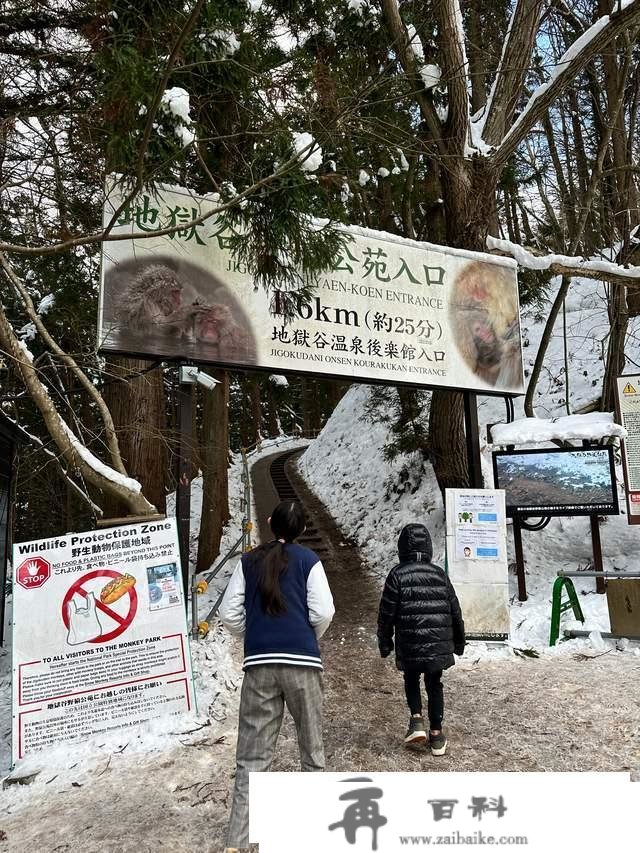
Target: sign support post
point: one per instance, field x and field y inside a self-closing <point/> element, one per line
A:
<point x="472" y="432"/>
<point x="597" y="553"/>
<point x="517" y="541"/>
<point x="185" y="462"/>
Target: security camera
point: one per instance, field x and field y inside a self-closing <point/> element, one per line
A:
<point x="190" y="374"/>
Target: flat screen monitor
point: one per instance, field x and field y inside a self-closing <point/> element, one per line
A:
<point x="561" y="481"/>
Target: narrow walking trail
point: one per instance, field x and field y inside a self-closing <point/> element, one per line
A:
<point x="573" y="713"/>
<point x="564" y="714"/>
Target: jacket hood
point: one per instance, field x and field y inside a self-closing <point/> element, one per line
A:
<point x="414" y="544"/>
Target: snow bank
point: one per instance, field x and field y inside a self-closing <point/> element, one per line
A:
<point x="592" y="426"/>
<point x="346" y="467"/>
<point x="367" y="495"/>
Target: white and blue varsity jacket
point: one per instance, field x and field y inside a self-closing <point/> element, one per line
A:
<point x="292" y="637"/>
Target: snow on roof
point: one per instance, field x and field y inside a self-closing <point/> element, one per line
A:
<point x="592" y="426"/>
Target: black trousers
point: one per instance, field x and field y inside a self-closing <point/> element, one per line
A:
<point x="435" y="695"/>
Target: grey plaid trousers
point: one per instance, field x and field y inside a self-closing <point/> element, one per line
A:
<point x="265" y="691"/>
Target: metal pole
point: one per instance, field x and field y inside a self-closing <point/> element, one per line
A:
<point x="472" y="433"/>
<point x="597" y="553"/>
<point x="183" y="492"/>
<point x="604" y="634"/>
<point x="247" y="502"/>
<point x="617" y="575"/>
<point x="522" y="582"/>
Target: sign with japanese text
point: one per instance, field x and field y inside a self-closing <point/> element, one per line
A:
<point x="99" y="634"/>
<point x="390" y="310"/>
<point x="363" y="812"/>
<point x="477" y="560"/>
<point x="629" y="417"/>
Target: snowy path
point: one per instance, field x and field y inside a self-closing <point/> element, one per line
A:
<point x="557" y="714"/>
<point x="562" y="713"/>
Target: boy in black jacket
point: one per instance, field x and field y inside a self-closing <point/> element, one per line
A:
<point x="419" y="603"/>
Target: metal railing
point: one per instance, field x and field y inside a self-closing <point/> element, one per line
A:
<point x="243" y="544"/>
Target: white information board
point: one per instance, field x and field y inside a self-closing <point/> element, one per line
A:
<point x="100" y="636"/>
<point x="477" y="559"/>
<point x="629" y="417"/>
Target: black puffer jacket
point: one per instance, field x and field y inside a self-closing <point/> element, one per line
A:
<point x="420" y="605"/>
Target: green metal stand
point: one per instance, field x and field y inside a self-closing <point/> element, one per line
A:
<point x="558" y="606"/>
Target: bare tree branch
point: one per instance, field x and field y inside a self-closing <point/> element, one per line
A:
<point x="87" y="384"/>
<point x="512" y="68"/>
<point x="566" y="265"/>
<point x="74" y="453"/>
<point x="573" y="61"/>
<point x="402" y="45"/>
<point x="455" y="73"/>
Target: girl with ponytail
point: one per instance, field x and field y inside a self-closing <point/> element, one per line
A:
<point x="279" y="600"/>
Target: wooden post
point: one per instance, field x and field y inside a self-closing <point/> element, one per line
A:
<point x="183" y="491"/>
<point x="472" y="433"/>
<point x="522" y="582"/>
<point x="597" y="552"/>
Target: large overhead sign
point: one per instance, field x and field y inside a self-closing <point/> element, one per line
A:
<point x="391" y="310"/>
<point x="99" y="634"/>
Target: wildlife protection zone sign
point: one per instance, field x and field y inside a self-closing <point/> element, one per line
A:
<point x="99" y="634"/>
<point x="390" y="310"/>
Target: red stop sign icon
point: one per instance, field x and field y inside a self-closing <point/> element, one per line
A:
<point x="33" y="573"/>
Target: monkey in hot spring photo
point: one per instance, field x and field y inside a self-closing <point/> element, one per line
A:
<point x="160" y="305"/>
<point x="483" y="310"/>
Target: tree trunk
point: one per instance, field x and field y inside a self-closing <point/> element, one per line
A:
<point x="273" y="426"/>
<point x="305" y="388"/>
<point x="447" y="440"/>
<point x="215" y="465"/>
<point x="136" y="400"/>
<point x="245" y="434"/>
<point x="470" y="204"/>
<point x="256" y="409"/>
<point x="619" y="320"/>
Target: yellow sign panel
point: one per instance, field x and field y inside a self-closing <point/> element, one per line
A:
<point x="629" y="389"/>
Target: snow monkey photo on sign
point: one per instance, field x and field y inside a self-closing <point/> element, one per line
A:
<point x="483" y="311"/>
<point x="169" y="306"/>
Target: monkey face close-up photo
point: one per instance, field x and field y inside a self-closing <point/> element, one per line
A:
<point x="170" y="307"/>
<point x="483" y="310"/>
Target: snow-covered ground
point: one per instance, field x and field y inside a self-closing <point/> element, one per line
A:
<point x="346" y="467"/>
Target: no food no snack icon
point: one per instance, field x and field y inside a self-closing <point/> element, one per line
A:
<point x="97" y="612"/>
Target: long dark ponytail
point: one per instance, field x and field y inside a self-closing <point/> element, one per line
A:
<point x="287" y="523"/>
